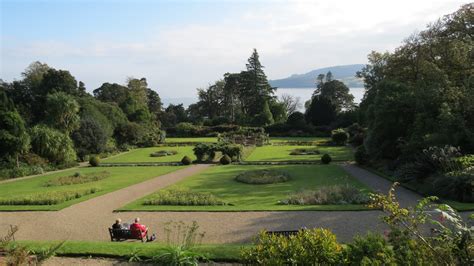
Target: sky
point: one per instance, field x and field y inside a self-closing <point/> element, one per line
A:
<point x="179" y="46"/>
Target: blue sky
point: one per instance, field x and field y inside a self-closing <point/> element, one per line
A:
<point x="183" y="45"/>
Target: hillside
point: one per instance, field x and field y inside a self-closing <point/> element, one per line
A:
<point x="345" y="73"/>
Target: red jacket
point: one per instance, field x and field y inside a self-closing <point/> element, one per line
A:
<point x="135" y="227"/>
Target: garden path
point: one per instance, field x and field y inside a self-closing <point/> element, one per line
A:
<point x="90" y="219"/>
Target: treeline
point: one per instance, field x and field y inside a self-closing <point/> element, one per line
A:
<point x="48" y="120"/>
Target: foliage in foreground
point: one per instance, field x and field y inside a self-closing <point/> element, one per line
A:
<point x="48" y="198"/>
<point x="181" y="197"/>
<point x="337" y="194"/>
<point x="15" y="254"/>
<point x="180" y="238"/>
<point x="449" y="242"/>
<point x="307" y="247"/>
<point x="262" y="177"/>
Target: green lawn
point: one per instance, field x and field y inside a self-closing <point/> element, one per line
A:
<point x="142" y="155"/>
<point x="120" y="177"/>
<point x="282" y="153"/>
<point x="214" y="252"/>
<point x="187" y="140"/>
<point x="219" y="180"/>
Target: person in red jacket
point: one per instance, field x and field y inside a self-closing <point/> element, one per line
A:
<point x="139" y="230"/>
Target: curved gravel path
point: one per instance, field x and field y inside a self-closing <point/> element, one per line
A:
<point x="90" y="219"/>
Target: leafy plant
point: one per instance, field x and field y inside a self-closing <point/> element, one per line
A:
<point x="361" y="157"/>
<point x="225" y="160"/>
<point x="326" y="159"/>
<point x="180" y="239"/>
<point x="339" y="136"/>
<point x="186" y="160"/>
<point x="371" y="249"/>
<point x="94" y="161"/>
<point x="308" y="247"/>
<point x="262" y="177"/>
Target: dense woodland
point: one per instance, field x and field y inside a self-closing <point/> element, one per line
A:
<point x="418" y="96"/>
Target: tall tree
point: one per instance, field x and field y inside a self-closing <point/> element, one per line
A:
<point x="62" y="112"/>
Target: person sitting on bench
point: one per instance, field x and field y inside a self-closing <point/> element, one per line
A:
<point x="139" y="229"/>
<point x="118" y="224"/>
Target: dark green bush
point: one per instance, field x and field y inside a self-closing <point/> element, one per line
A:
<point x="94" y="161"/>
<point x="308" y="247"/>
<point x="361" y="157"/>
<point x="339" y="136"/>
<point x="186" y="160"/>
<point x="371" y="249"/>
<point x="225" y="159"/>
<point x="326" y="159"/>
<point x="262" y="177"/>
<point x="456" y="186"/>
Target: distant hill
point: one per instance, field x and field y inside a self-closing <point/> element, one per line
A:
<point x="345" y="73"/>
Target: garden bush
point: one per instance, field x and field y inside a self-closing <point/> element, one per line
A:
<point x="48" y="198"/>
<point x="304" y="152"/>
<point x="371" y="249"/>
<point x="339" y="136"/>
<point x="308" y="247"/>
<point x="181" y="197"/>
<point x="77" y="178"/>
<point x="326" y="159"/>
<point x="207" y="151"/>
<point x="94" y="161"/>
<point x="9" y="171"/>
<point x="225" y="160"/>
<point x="361" y="157"/>
<point x="163" y="153"/>
<point x="337" y="194"/>
<point x="186" y="160"/>
<point x="456" y="186"/>
<point x="262" y="177"/>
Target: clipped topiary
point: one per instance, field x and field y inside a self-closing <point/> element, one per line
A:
<point x="225" y="159"/>
<point x="339" y="136"/>
<point x="326" y="159"/>
<point x="186" y="160"/>
<point x="94" y="161"/>
<point x="361" y="157"/>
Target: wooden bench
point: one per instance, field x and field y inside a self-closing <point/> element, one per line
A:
<point x="125" y="234"/>
<point x="283" y="233"/>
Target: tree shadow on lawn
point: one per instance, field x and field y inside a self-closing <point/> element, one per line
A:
<point x="344" y="224"/>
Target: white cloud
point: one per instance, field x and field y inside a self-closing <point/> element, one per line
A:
<point x="291" y="37"/>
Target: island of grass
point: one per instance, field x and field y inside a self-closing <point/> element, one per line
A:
<point x="52" y="192"/>
<point x="219" y="181"/>
<point x="274" y="153"/>
<point x="142" y="155"/>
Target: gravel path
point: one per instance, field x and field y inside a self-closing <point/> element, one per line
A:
<point x="90" y="219"/>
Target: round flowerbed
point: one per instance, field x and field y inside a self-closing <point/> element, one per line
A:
<point x="262" y="177"/>
<point x="163" y="153"/>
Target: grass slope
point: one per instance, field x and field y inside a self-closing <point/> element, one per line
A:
<point x="142" y="155"/>
<point x="282" y="153"/>
<point x="215" y="252"/>
<point x="219" y="180"/>
<point x="120" y="177"/>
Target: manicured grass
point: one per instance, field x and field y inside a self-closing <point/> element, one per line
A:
<point x="215" y="252"/>
<point x="282" y="153"/>
<point x="187" y="140"/>
<point x="219" y="181"/>
<point x="142" y="155"/>
<point x="120" y="177"/>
